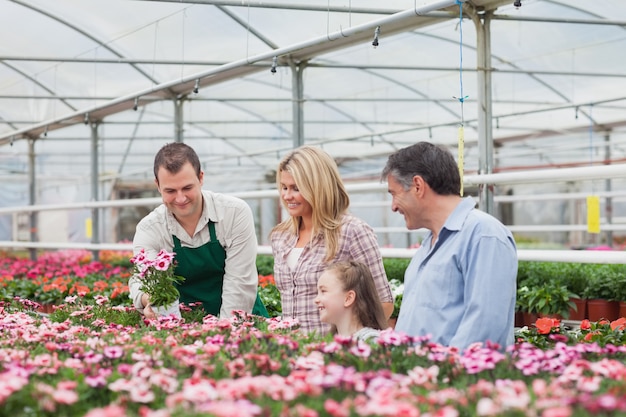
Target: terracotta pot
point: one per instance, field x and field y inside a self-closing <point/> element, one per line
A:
<point x="551" y="316"/>
<point x="598" y="309"/>
<point x="622" y="309"/>
<point x="530" y="318"/>
<point x="580" y="313"/>
<point x="519" y="319"/>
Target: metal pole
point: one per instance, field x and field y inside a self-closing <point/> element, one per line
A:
<point x="95" y="212"/>
<point x="178" y="119"/>
<point x="297" y="94"/>
<point x="608" y="202"/>
<point x="32" y="197"/>
<point x="485" y="133"/>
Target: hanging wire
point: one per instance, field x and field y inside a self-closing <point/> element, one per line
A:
<point x="461" y="98"/>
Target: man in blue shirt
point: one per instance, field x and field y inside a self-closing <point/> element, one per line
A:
<point x="460" y="286"/>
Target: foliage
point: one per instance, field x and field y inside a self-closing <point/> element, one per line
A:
<point x="397" y="290"/>
<point x="603" y="283"/>
<point x="550" y="298"/>
<point x="157" y="277"/>
<point x="619" y="287"/>
<point x="265" y="264"/>
<point x="587" y="281"/>
<point x="395" y="267"/>
<point x="270" y="296"/>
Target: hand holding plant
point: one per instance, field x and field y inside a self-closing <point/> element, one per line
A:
<point x="157" y="277"/>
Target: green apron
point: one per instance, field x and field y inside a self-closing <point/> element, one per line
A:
<point x="203" y="270"/>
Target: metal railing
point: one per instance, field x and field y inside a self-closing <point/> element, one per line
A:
<point x="526" y="177"/>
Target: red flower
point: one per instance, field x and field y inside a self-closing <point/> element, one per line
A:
<point x="589" y="336"/>
<point x="585" y="325"/>
<point x="619" y="324"/>
<point x="546" y="324"/>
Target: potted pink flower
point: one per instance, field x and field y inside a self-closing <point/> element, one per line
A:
<point x="158" y="281"/>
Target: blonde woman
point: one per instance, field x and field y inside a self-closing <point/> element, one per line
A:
<point x="319" y="231"/>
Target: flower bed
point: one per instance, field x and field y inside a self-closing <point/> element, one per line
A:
<point x="94" y="355"/>
<point x="56" y="275"/>
<point x="101" y="359"/>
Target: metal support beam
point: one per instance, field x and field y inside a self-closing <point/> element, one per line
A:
<point x="297" y="94"/>
<point x="178" y="119"/>
<point x="95" y="212"/>
<point x="32" y="197"/>
<point x="608" y="203"/>
<point x="485" y="127"/>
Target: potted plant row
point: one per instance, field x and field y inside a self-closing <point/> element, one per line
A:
<point x="571" y="290"/>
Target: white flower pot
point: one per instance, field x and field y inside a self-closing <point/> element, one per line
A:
<point x="164" y="311"/>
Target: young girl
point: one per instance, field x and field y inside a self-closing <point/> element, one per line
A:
<point x="347" y="300"/>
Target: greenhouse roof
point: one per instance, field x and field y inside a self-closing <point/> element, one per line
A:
<point x="219" y="75"/>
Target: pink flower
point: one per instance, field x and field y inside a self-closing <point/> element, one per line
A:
<point x="70" y="299"/>
<point x="420" y="376"/>
<point x="361" y="349"/>
<point x="167" y="383"/>
<point x="96" y="381"/>
<point x="487" y="407"/>
<point x="141" y="393"/>
<point x="562" y="411"/>
<point x="336" y="409"/>
<point x="588" y="383"/>
<point x="315" y="360"/>
<point x="199" y="391"/>
<point x="63" y="396"/>
<point x="161" y="265"/>
<point x="108" y="411"/>
<point x="303" y="411"/>
<point x="239" y="408"/>
<point x="113" y="352"/>
<point x="140" y="258"/>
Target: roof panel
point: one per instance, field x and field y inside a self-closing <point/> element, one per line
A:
<point x="359" y="100"/>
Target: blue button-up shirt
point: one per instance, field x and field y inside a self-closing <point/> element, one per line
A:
<point x="462" y="288"/>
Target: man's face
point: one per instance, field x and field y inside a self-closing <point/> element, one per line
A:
<point x="404" y="202"/>
<point x="181" y="192"/>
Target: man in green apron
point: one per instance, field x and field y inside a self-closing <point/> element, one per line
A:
<point x="212" y="235"/>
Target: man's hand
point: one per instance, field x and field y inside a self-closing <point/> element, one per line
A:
<point x="147" y="310"/>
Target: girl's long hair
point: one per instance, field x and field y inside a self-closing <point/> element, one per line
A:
<point x="356" y="276"/>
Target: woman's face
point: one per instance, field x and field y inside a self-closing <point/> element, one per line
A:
<point x="295" y="203"/>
